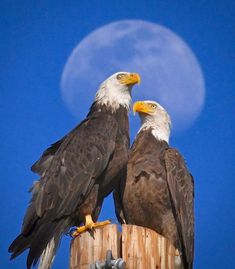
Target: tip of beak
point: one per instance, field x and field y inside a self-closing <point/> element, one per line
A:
<point x="134" y="108"/>
<point x="137" y="77"/>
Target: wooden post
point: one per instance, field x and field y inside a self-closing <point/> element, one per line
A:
<point x="85" y="249"/>
<point x="141" y="248"/>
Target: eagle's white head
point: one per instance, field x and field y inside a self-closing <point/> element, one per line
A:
<point x="115" y="91"/>
<point x="154" y="116"/>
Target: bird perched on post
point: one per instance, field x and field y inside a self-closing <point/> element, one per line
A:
<point x="158" y="190"/>
<point x="77" y="172"/>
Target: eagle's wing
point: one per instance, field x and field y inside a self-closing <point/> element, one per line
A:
<point x="181" y="189"/>
<point x="44" y="161"/>
<point x="117" y="198"/>
<point x="79" y="160"/>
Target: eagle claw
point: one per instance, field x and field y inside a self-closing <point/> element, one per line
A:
<point x="89" y="226"/>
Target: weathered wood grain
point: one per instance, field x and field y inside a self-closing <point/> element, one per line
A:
<point x="85" y="249"/>
<point x="141" y="248"/>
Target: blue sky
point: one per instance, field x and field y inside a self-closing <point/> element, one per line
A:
<point x="36" y="40"/>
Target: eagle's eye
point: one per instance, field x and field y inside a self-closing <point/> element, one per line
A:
<point x="120" y="76"/>
<point x="153" y="106"/>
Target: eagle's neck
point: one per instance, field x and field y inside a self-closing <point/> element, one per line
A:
<point x="113" y="97"/>
<point x="159" y="129"/>
<point x="120" y="114"/>
<point x="161" y="134"/>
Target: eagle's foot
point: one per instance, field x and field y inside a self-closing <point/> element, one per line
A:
<point x="89" y="225"/>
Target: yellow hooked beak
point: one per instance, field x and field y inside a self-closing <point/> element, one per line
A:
<point x="130" y="79"/>
<point x="143" y="107"/>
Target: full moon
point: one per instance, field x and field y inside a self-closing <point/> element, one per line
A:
<point x="170" y="72"/>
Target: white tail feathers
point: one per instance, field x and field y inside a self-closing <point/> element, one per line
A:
<point x="178" y="262"/>
<point x="48" y="255"/>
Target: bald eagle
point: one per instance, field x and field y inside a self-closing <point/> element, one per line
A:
<point x="77" y="172"/>
<point x="158" y="190"/>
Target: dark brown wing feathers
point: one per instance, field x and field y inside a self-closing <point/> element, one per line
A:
<point x="69" y="170"/>
<point x="77" y="164"/>
<point x="181" y="189"/>
<point x="44" y="161"/>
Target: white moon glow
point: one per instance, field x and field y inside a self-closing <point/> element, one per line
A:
<point x="170" y="72"/>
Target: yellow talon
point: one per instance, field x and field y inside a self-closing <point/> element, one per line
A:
<point x="89" y="225"/>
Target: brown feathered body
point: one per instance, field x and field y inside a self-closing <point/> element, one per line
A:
<point x="157" y="193"/>
<point x="76" y="172"/>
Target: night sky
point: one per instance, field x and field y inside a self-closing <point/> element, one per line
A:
<point x="37" y="38"/>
